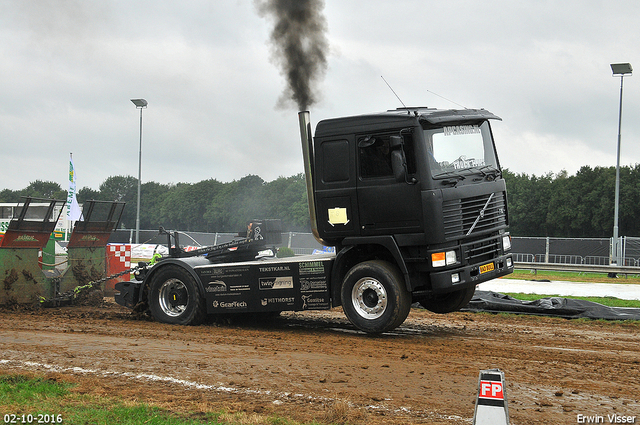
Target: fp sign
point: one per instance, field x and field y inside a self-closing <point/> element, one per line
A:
<point x="492" y="390"/>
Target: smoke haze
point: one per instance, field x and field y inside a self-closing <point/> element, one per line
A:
<point x="299" y="46"/>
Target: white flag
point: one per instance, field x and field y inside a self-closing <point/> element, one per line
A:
<point x="73" y="209"/>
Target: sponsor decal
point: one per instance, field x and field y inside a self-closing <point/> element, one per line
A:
<point x="309" y="300"/>
<point x="26" y="238"/>
<point x="222" y="272"/>
<point x="312" y="267"/>
<point x="283" y="282"/>
<point x="274" y="269"/>
<point x="90" y="238"/>
<point x="317" y="284"/>
<point x="277" y="300"/>
<point x="456" y="130"/>
<point x="216" y="286"/>
<point x="232" y="304"/>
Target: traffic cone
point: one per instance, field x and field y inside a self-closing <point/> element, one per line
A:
<point x="491" y="403"/>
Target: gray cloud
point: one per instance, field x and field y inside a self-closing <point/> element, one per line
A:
<point x="70" y="68"/>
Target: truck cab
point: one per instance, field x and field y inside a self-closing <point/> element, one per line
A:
<point x="413" y="201"/>
<point x="418" y="188"/>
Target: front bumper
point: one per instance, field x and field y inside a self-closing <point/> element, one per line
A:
<point x="446" y="281"/>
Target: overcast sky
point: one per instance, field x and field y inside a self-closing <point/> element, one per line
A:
<point x="68" y="69"/>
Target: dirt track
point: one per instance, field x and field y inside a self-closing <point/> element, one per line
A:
<point x="315" y="365"/>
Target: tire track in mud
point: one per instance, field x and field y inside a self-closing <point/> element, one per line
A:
<point x="277" y="397"/>
<point x="423" y="372"/>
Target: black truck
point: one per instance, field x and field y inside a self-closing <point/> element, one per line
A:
<point x="412" y="199"/>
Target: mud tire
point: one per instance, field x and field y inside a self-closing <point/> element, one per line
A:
<point x="374" y="297"/>
<point x="174" y="297"/>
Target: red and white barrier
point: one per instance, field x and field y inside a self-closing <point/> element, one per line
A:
<point x="491" y="403"/>
<point x="118" y="260"/>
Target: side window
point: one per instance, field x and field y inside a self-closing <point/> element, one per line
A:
<point x="375" y="156"/>
<point x="335" y="161"/>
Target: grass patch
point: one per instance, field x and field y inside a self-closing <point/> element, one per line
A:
<point x="572" y="276"/>
<point x="52" y="401"/>
<point x="608" y="301"/>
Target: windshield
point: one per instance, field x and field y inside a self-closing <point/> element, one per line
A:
<point x="461" y="149"/>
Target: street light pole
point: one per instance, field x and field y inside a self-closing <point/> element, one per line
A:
<point x="618" y="69"/>
<point x="140" y="104"/>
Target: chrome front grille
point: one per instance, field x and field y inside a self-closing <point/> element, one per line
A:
<point x="471" y="216"/>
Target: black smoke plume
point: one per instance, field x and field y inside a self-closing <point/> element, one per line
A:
<point x="299" y="46"/>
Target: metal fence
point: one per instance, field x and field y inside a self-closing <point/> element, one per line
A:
<point x="587" y="251"/>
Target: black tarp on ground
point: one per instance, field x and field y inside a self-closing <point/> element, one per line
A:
<point x="553" y="306"/>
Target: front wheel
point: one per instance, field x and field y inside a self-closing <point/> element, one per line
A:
<point x="174" y="297"/>
<point x="449" y="302"/>
<point x="374" y="297"/>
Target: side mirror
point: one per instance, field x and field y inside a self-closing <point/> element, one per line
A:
<point x="395" y="142"/>
<point x="398" y="159"/>
<point x="398" y="165"/>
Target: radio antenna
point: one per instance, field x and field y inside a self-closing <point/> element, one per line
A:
<point x="393" y="91"/>
<point x="449" y="100"/>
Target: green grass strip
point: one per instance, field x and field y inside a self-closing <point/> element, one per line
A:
<point x="47" y="401"/>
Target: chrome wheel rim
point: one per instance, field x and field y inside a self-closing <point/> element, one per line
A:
<point x="369" y="298"/>
<point x="173" y="297"/>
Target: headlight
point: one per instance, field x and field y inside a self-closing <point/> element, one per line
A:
<point x="506" y="242"/>
<point x="441" y="259"/>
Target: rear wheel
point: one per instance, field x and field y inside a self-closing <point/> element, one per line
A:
<point x="449" y="302"/>
<point x="174" y="297"/>
<point x="374" y="297"/>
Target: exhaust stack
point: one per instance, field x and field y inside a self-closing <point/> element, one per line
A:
<point x="307" y="151"/>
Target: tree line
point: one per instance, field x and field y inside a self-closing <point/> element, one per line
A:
<point x="578" y="206"/>
<point x="557" y="205"/>
<point x="206" y="206"/>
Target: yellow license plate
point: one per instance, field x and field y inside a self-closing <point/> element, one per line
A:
<point x="486" y="268"/>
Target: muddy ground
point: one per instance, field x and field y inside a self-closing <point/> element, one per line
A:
<point x="314" y="365"/>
